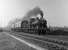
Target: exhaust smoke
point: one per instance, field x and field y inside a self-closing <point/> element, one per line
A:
<point x="34" y="12"/>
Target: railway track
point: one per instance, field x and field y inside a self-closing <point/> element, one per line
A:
<point x="50" y="43"/>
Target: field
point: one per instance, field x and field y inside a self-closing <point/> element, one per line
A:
<point x="8" y="43"/>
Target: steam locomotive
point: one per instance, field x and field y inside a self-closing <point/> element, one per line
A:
<point x="34" y="25"/>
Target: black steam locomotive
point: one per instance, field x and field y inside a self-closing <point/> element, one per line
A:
<point x="34" y="25"/>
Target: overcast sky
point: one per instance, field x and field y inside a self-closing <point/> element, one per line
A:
<point x="55" y="11"/>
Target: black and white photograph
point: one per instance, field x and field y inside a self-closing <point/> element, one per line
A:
<point x="33" y="24"/>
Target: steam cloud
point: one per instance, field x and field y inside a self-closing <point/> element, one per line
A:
<point x="33" y="12"/>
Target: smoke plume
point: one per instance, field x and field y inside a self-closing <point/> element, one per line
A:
<point x="33" y="12"/>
